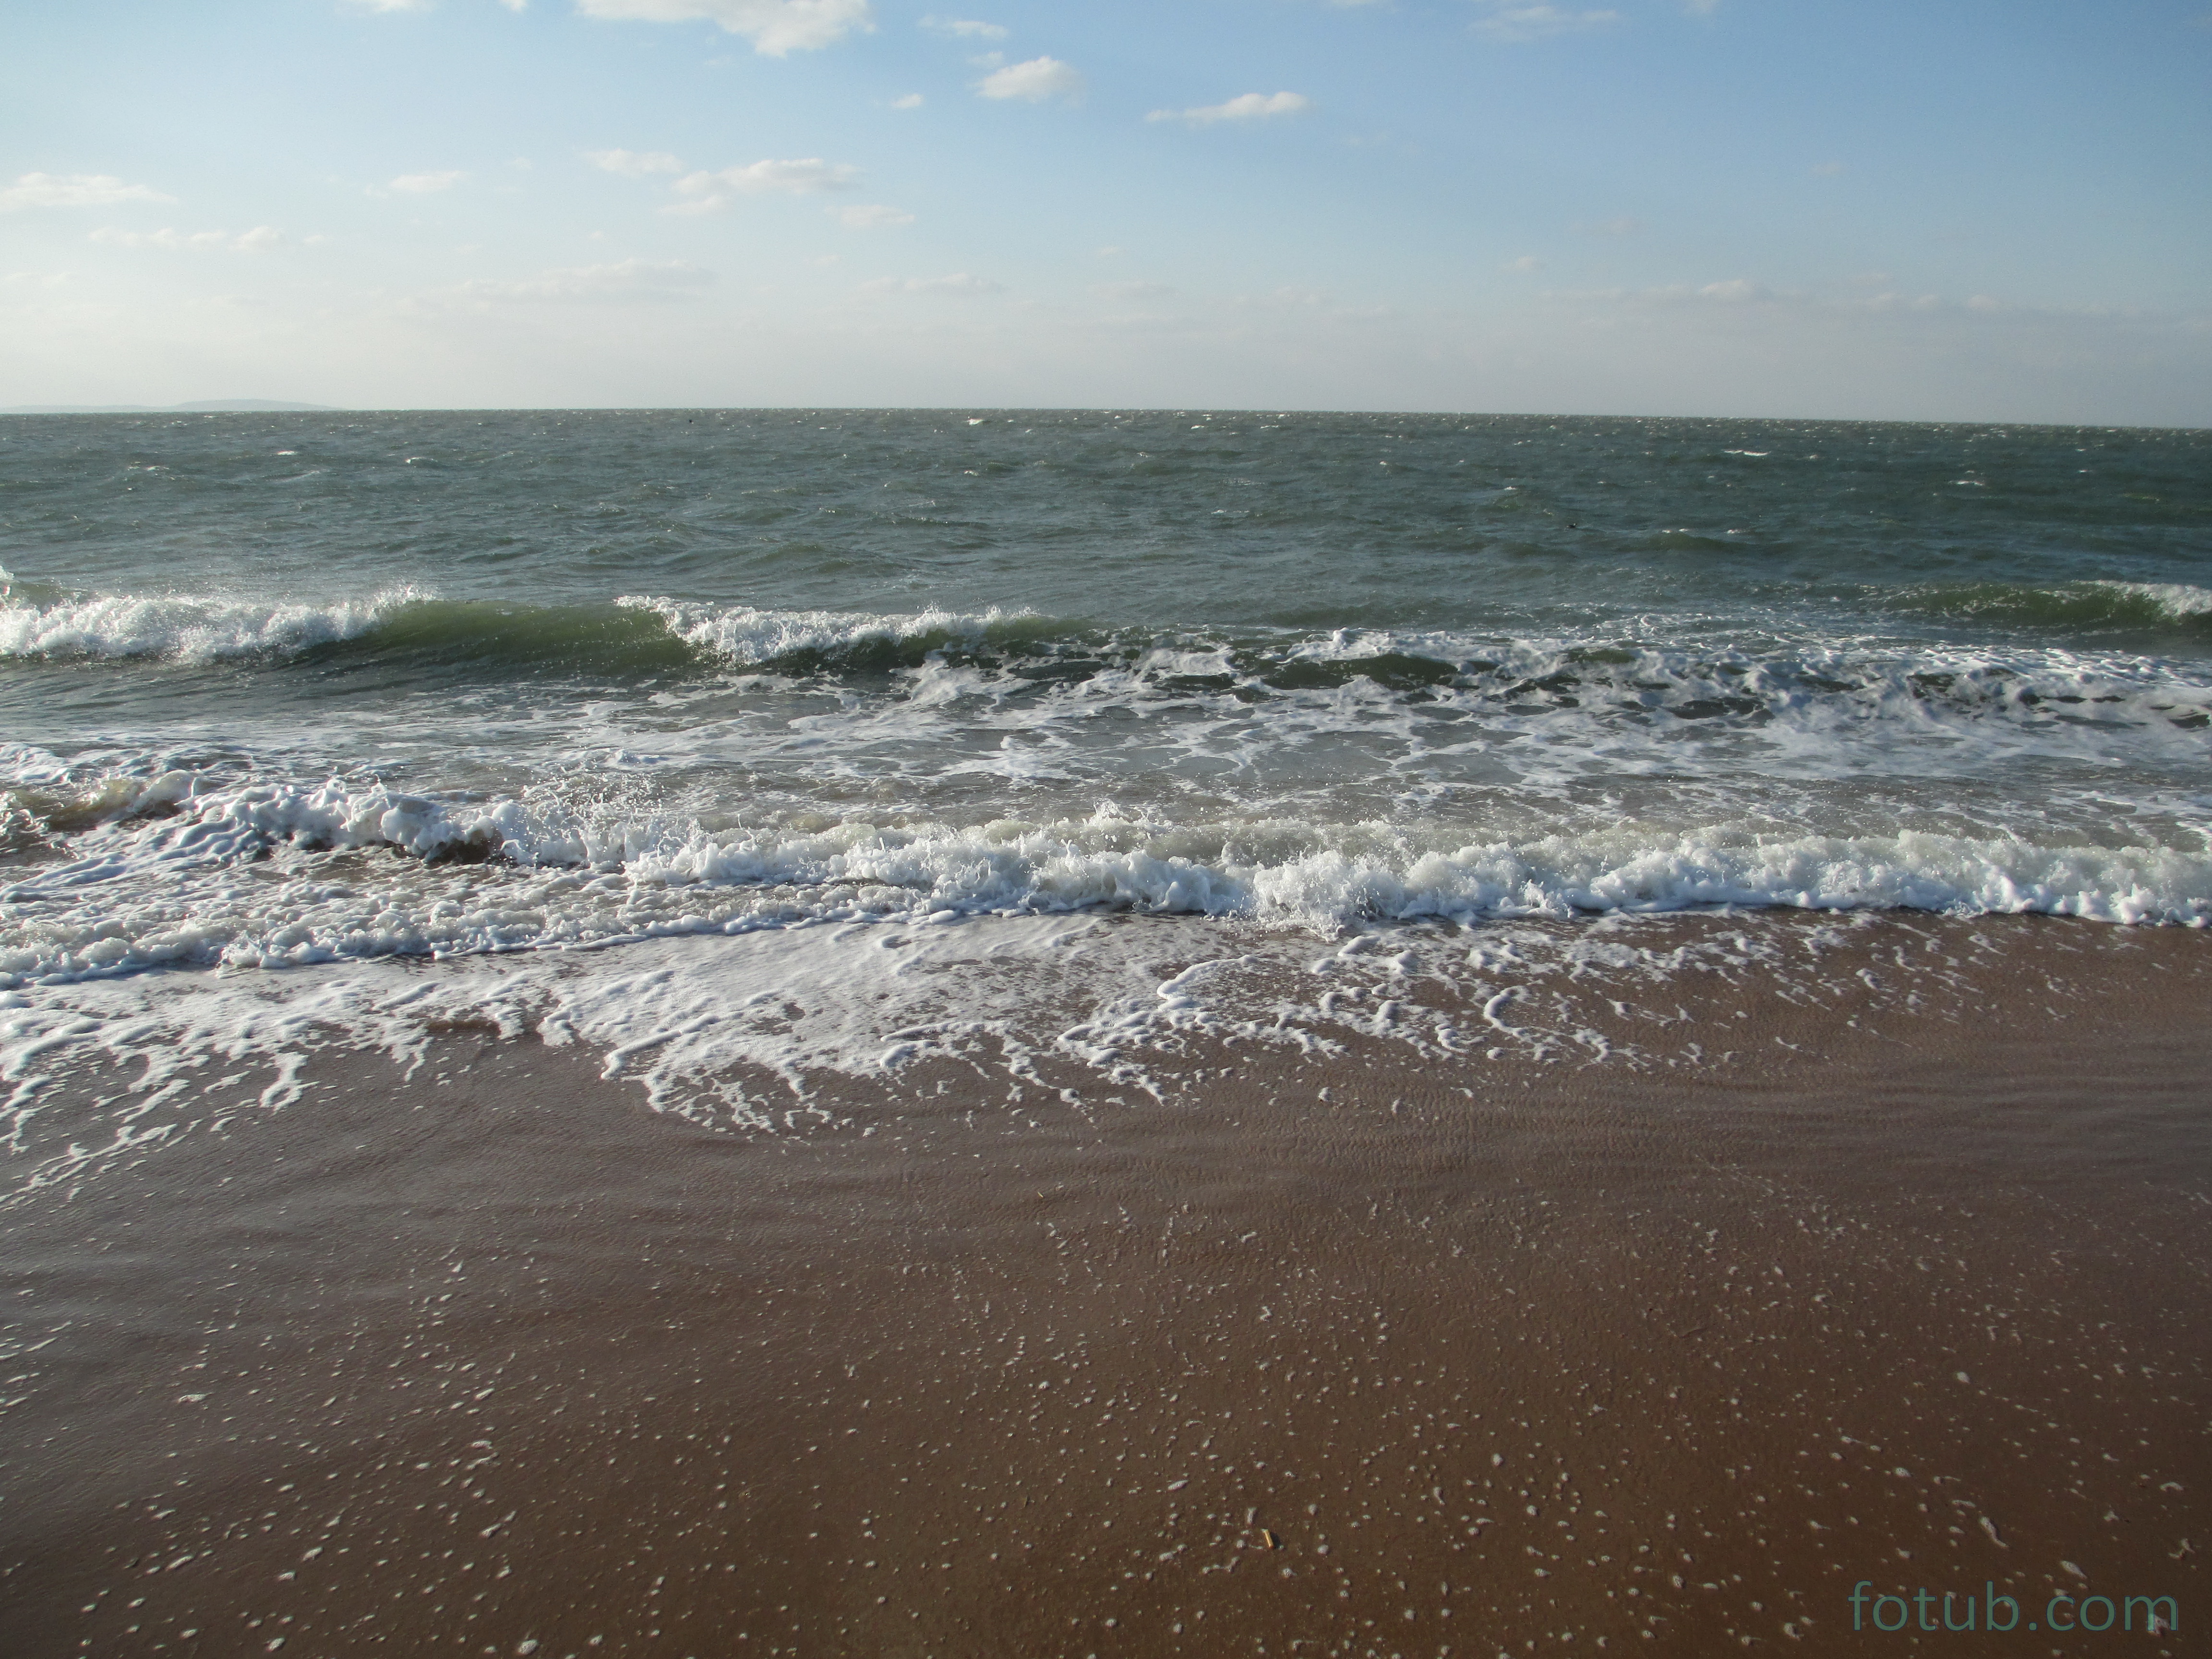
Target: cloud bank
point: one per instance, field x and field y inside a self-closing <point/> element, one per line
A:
<point x="1245" y="106"/>
<point x="958" y="285"/>
<point x="426" y="184"/>
<point x="259" y="239"/>
<point x="1032" y="82"/>
<point x="628" y="280"/>
<point x="633" y="163"/>
<point x="1505" y="19"/>
<point x="873" y="216"/>
<point x="709" y="193"/>
<point x="46" y="190"/>
<point x="963" y="29"/>
<point x="775" y="26"/>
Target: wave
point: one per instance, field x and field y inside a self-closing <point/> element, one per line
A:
<point x="637" y="636"/>
<point x="401" y="624"/>
<point x="632" y="635"/>
<point x="805" y="643"/>
<point x="156" y="883"/>
<point x="185" y="627"/>
<point x="2147" y="607"/>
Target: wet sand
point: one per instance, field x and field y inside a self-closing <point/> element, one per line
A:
<point x="1464" y="1357"/>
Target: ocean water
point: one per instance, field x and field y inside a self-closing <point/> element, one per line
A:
<point x="296" y="690"/>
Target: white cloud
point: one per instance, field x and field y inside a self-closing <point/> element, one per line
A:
<point x="633" y="163"/>
<point x="37" y="190"/>
<point x="259" y="239"/>
<point x="1738" y="293"/>
<point x="962" y="28"/>
<point x="775" y="26"/>
<point x="394" y="5"/>
<point x="912" y="100"/>
<point x="1744" y="301"/>
<point x="1701" y="8"/>
<point x="161" y="239"/>
<point x="1133" y="290"/>
<point x="959" y="285"/>
<point x="1828" y="170"/>
<point x="1626" y="225"/>
<point x="1289" y="297"/>
<point x="708" y="193"/>
<point x="875" y="216"/>
<point x="630" y="279"/>
<point x="1245" y="106"/>
<point x="427" y="184"/>
<point x="1505" y="19"/>
<point x="1034" y="81"/>
<point x="1526" y="262"/>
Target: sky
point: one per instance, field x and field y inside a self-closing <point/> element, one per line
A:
<point x="1972" y="211"/>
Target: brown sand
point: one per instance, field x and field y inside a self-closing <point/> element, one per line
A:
<point x="497" y="1361"/>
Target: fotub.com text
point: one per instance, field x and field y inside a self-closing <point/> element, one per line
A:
<point x="1953" y="1610"/>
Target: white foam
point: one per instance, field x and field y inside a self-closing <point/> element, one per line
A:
<point x="745" y="634"/>
<point x="271" y="875"/>
<point x="739" y="1030"/>
<point x="2178" y="600"/>
<point x="757" y="1031"/>
<point x="186" y="628"/>
<point x="1540" y="712"/>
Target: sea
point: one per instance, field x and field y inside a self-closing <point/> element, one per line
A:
<point x="748" y="747"/>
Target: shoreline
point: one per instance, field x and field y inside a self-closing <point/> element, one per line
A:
<point x="497" y="1354"/>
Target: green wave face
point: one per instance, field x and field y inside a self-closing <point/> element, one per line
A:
<point x="394" y="632"/>
<point x="2106" y="606"/>
<point x="600" y="641"/>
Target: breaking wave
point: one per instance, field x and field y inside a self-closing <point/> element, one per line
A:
<point x="2088" y="605"/>
<point x="636" y="638"/>
<point x="184" y="628"/>
<point x="155" y="882"/>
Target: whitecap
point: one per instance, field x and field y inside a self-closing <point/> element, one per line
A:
<point x="188" y="627"/>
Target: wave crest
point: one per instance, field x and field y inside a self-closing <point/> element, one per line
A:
<point x="2085" y="604"/>
<point x="186" y="628"/>
<point x="157" y="883"/>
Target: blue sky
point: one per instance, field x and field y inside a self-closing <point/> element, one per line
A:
<point x="1965" y="211"/>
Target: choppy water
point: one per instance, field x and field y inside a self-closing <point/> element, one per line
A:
<point x="284" y="689"/>
<point x="287" y="690"/>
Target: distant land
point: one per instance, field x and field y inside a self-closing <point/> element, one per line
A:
<point x="212" y="406"/>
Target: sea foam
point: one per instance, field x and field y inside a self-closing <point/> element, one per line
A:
<point x="186" y="628"/>
<point x="499" y="875"/>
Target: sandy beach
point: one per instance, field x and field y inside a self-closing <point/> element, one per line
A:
<point x="1350" y="1352"/>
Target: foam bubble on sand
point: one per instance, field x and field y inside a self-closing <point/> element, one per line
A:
<point x="731" y="1030"/>
<point x="754" y="1031"/>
